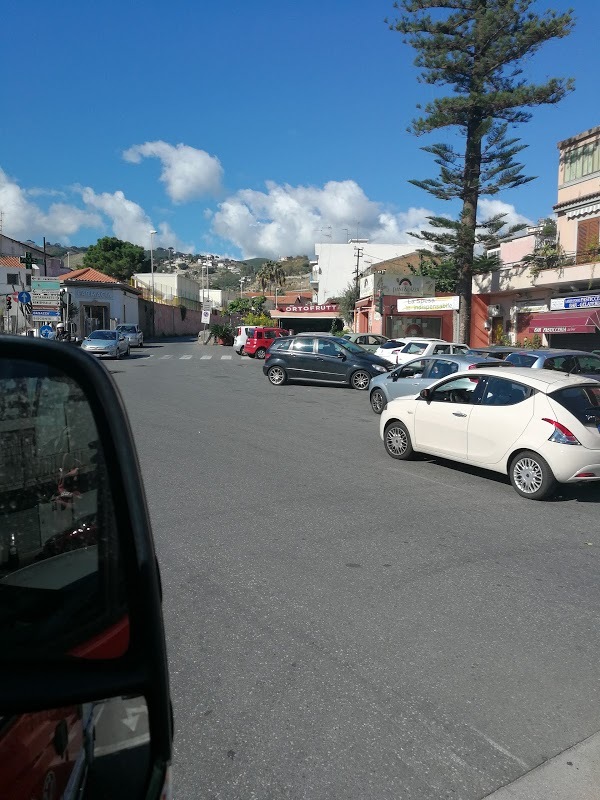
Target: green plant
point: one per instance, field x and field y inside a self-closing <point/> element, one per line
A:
<point x="223" y="333"/>
<point x="262" y="320"/>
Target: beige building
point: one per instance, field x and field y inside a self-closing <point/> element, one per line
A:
<point x="558" y="297"/>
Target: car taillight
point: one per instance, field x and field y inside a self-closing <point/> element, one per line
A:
<point x="267" y="355"/>
<point x="561" y="433"/>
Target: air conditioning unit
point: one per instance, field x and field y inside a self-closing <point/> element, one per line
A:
<point x="494" y="311"/>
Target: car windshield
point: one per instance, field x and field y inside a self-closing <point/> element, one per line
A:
<point x="103" y="335"/>
<point x="126" y="328"/>
<point x="582" y="401"/>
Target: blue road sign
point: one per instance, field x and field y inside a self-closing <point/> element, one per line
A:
<point x="45" y="331"/>
<point x="24" y="297"/>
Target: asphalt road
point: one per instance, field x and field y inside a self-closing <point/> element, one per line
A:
<point x="341" y="625"/>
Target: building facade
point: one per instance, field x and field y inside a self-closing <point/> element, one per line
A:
<point x="101" y="302"/>
<point x="550" y="291"/>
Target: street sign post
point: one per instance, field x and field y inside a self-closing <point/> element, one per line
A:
<point x="45" y="331"/>
<point x="24" y="297"/>
<point x="28" y="260"/>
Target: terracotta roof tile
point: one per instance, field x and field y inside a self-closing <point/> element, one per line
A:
<point x="11" y="261"/>
<point x="88" y="274"/>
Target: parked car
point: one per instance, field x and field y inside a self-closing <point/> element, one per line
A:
<point x="257" y="344"/>
<point x="133" y="334"/>
<point x="573" y="362"/>
<point x="368" y="341"/>
<point x="323" y="359"/>
<point x="540" y="428"/>
<point x="495" y="351"/>
<point x="408" y="379"/>
<point x="409" y="348"/>
<point x="106" y="343"/>
<point x="242" y="333"/>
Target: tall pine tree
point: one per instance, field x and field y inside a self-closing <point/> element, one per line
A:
<point x="477" y="49"/>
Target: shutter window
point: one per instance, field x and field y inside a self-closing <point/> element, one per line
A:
<point x="588" y="233"/>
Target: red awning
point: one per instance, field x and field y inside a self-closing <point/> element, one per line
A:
<point x="579" y="321"/>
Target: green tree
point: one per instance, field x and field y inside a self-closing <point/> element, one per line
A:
<point x="116" y="258"/>
<point x="246" y="305"/>
<point x="271" y="274"/>
<point x="477" y="49"/>
<point x="347" y="301"/>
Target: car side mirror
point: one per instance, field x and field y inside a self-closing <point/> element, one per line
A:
<point x="81" y="620"/>
<point x="425" y="394"/>
<point x="394" y="376"/>
<point x="341" y="356"/>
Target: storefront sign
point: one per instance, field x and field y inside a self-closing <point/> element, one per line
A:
<point x="93" y="294"/>
<point x="416" y="304"/>
<point x="403" y="285"/>
<point x="45" y="284"/>
<point x="588" y="301"/>
<point x="332" y="308"/>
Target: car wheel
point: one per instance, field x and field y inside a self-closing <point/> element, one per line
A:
<point x="240" y="351"/>
<point x="377" y="401"/>
<point x="142" y="343"/>
<point x="260" y="353"/>
<point x="128" y="353"/>
<point x="396" y="440"/>
<point x="277" y="376"/>
<point x="360" y="380"/>
<point x="531" y="476"/>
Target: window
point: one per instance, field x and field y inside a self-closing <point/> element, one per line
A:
<point x="361" y="340"/>
<point x="561" y="364"/>
<point x="588" y="365"/>
<point x="415" y="347"/>
<point x="502" y="392"/>
<point x="460" y="348"/>
<point x="303" y="344"/>
<point x="392" y="344"/>
<point x="521" y="359"/>
<point x="588" y="234"/>
<point x="441" y="348"/>
<point x="442" y="368"/>
<point x="458" y="390"/>
<point x="281" y="344"/>
<point x="412" y="370"/>
<point x="582" y="401"/>
<point x="327" y="348"/>
<point x="12" y="277"/>
<point x="373" y="340"/>
<point x="581" y="161"/>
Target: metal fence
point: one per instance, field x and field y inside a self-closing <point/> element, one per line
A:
<point x="167" y="296"/>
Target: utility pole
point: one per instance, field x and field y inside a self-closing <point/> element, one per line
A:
<point x="45" y="262"/>
<point x="359" y="252"/>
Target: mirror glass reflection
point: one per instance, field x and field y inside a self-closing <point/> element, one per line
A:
<point x="61" y="583"/>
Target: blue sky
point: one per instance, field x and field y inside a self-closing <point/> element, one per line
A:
<point x="239" y="128"/>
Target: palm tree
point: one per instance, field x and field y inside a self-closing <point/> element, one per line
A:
<point x="271" y="273"/>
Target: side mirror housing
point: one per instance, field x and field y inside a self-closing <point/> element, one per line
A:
<point x="341" y="356"/>
<point x="425" y="394"/>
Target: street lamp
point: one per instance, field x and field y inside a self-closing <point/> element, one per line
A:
<point x="242" y="282"/>
<point x="152" y="235"/>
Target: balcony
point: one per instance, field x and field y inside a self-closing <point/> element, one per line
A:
<point x="548" y="271"/>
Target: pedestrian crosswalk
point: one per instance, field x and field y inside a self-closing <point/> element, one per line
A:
<point x="188" y="357"/>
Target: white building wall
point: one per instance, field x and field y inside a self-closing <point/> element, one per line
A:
<point x="336" y="263"/>
<point x="123" y="305"/>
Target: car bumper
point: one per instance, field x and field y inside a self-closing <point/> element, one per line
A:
<point x="100" y="353"/>
<point x="568" y="461"/>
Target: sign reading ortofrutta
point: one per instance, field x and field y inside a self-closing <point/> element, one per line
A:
<point x="331" y="308"/>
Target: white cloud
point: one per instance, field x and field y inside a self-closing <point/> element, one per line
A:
<point x="289" y="219"/>
<point x="187" y="172"/>
<point x="489" y="208"/>
<point x="130" y="222"/>
<point x="24" y="219"/>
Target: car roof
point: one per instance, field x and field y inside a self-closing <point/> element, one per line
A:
<point x="544" y="380"/>
<point x="549" y="351"/>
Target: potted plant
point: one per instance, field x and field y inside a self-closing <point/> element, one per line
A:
<point x="222" y="334"/>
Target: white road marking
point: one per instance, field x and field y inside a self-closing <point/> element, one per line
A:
<point x="205" y="358"/>
<point x="183" y="358"/>
<point x="166" y="357"/>
<point x="501" y="749"/>
<point x="226" y="358"/>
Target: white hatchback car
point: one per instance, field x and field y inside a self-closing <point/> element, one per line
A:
<point x="400" y="351"/>
<point x="539" y="428"/>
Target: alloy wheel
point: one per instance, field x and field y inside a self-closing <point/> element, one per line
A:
<point x="276" y="376"/>
<point x="377" y="401"/>
<point x="528" y="475"/>
<point x="361" y="380"/>
<point x="396" y="440"/>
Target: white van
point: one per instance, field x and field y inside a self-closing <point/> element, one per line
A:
<point x="242" y="334"/>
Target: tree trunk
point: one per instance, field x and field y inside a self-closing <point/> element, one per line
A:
<point x="467" y="231"/>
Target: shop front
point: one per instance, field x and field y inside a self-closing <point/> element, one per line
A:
<point x="310" y="317"/>
<point x="571" y="322"/>
<point x="429" y="317"/>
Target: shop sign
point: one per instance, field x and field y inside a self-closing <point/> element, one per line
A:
<point x="416" y="304"/>
<point x="587" y="301"/>
<point x="331" y="308"/>
<point x="403" y="285"/>
<point x="556" y="329"/>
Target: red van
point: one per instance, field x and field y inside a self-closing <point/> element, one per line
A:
<point x="258" y="344"/>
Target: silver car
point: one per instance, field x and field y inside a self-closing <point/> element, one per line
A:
<point x="106" y="343"/>
<point x="572" y="362"/>
<point x="133" y="334"/>
<point x="407" y="380"/>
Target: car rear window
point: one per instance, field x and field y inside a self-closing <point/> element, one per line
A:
<point x="582" y="401"/>
<point x="391" y="344"/>
<point x="280" y="344"/>
<point x="521" y="359"/>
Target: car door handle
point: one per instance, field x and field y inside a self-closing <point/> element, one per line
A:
<point x="458" y="414"/>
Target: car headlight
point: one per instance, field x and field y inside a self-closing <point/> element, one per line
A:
<point x="379" y="368"/>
